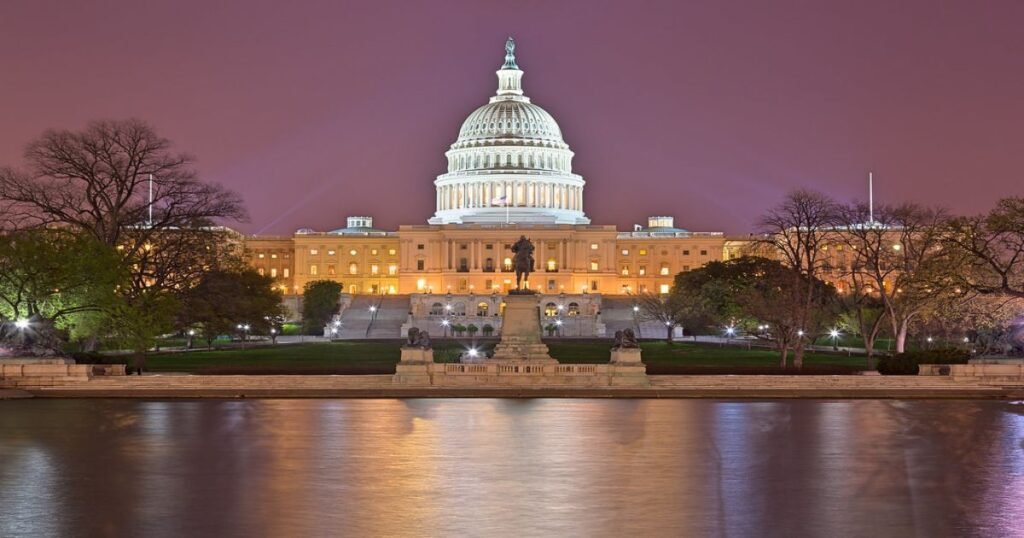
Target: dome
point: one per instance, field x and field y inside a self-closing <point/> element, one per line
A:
<point x="509" y="163"/>
<point x="510" y="118"/>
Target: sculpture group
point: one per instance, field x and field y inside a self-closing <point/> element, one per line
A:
<point x="522" y="261"/>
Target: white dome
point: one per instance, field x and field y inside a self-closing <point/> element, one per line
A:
<point x="510" y="119"/>
<point x="509" y="163"/>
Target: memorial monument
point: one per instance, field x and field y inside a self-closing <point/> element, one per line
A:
<point x="520" y="327"/>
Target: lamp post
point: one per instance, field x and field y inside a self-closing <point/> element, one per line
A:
<point x="191" y="333"/>
<point x="834" y="334"/>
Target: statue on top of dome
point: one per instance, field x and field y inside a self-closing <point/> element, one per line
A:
<point x="510" y="54"/>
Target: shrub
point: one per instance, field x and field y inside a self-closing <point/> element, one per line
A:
<point x="907" y="363"/>
<point x="472" y="329"/>
<point x="488" y="329"/>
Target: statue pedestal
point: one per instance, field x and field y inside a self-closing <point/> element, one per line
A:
<point x="626" y="355"/>
<point x="626" y="368"/>
<point x="414" y="366"/>
<point x="520" y="332"/>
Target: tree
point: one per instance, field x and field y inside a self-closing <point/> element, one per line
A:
<point x="672" y="310"/>
<point x="898" y="257"/>
<point x="751" y="291"/>
<point x="795" y="232"/>
<point x="56" y="279"/>
<point x="223" y="299"/>
<point x="472" y="330"/>
<point x="487" y="329"/>
<point x="136" y="323"/>
<point x="319" y="304"/>
<point x="992" y="247"/>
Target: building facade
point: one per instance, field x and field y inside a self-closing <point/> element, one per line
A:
<point x="509" y="175"/>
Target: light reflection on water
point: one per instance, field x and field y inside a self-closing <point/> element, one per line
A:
<point x="511" y="468"/>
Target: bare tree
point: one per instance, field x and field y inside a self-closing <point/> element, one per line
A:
<point x="794" y="233"/>
<point x="898" y="257"/>
<point x="670" y="309"/>
<point x="992" y="247"/>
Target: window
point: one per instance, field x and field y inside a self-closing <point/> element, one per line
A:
<point x="643" y="252"/>
<point x="593" y="246"/>
<point x="463" y="265"/>
<point x="286" y="272"/>
<point x="625" y="270"/>
<point x="353" y="268"/>
<point x="551" y="285"/>
<point x="664" y="253"/>
<point x="703" y="253"/>
<point x="574" y="309"/>
<point x="593" y="266"/>
<point x="330" y="253"/>
<point x="392" y="269"/>
<point x="273" y="256"/>
<point x="421" y="283"/>
<point x="686" y="268"/>
<point x="330" y="269"/>
<point x="273" y="272"/>
<point x="419" y="265"/>
<point x="489" y="246"/>
<point x="686" y="252"/>
<point x="507" y="263"/>
<point x="462" y="246"/>
<point x="481" y="309"/>
<point x="625" y="252"/>
<point x="552" y="265"/>
<point x="419" y="246"/>
<point x="373" y="252"/>
<point x="664" y="269"/>
<point x="489" y="264"/>
<point x="489" y="284"/>
<point x="550" y="310"/>
<point x="593" y="285"/>
<point x="391" y="251"/>
<point x="643" y="270"/>
<point x="312" y="269"/>
<point x="374" y="269"/>
<point x="313" y="252"/>
<point x="663" y="288"/>
<point x="261" y="256"/>
<point x="352" y="252"/>
<point x="260" y="271"/>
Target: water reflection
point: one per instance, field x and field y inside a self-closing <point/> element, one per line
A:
<point x="511" y="468"/>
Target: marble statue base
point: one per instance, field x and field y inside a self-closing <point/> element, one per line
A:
<point x="521" y="332"/>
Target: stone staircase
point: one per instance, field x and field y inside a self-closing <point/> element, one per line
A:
<point x="392" y="313"/>
<point x="617" y="314"/>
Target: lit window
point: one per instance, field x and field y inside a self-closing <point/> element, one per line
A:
<point x="260" y="271"/>
<point x="261" y="256"/>
<point x="373" y="252"/>
<point x="421" y="283"/>
<point x="664" y="269"/>
<point x="391" y="251"/>
<point x="286" y="272"/>
<point x="625" y="252"/>
<point x="352" y="252"/>
<point x="312" y="269"/>
<point x="330" y="269"/>
<point x="593" y="246"/>
<point x="392" y="269"/>
<point x="374" y="269"/>
<point x="330" y="253"/>
<point x="273" y="256"/>
<point x="625" y="270"/>
<point x="507" y="262"/>
<point x="593" y="266"/>
<point x="663" y="288"/>
<point x="353" y="268"/>
<point x="643" y="270"/>
<point x="552" y="264"/>
<point x="273" y="273"/>
<point x="643" y="252"/>
<point x="313" y="252"/>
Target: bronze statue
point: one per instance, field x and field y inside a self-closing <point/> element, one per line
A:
<point x="418" y="338"/>
<point x="522" y="260"/>
<point x="625" y="339"/>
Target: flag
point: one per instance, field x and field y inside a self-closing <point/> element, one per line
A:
<point x="499" y="200"/>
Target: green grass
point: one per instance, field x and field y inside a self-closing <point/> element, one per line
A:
<point x="380" y="357"/>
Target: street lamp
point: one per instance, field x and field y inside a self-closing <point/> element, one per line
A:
<point x="834" y="333"/>
<point x="21" y="324"/>
<point x="445" y="323"/>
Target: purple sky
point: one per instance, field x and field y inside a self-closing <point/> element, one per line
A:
<point x="708" y="111"/>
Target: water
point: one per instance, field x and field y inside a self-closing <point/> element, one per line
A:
<point x="511" y="468"/>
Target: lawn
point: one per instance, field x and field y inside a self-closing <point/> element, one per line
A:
<point x="380" y="357"/>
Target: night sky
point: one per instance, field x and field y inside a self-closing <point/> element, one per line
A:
<point x="708" y="111"/>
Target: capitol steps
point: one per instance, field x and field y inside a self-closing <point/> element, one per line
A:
<point x="392" y="313"/>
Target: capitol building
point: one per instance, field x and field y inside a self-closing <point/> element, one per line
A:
<point x="509" y="174"/>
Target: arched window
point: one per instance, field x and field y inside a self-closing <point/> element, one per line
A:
<point x="353" y="268"/>
<point x="550" y="310"/>
<point x="508" y="264"/>
<point x="481" y="309"/>
<point x="437" y="309"/>
<point x="574" y="309"/>
<point x="459" y="309"/>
